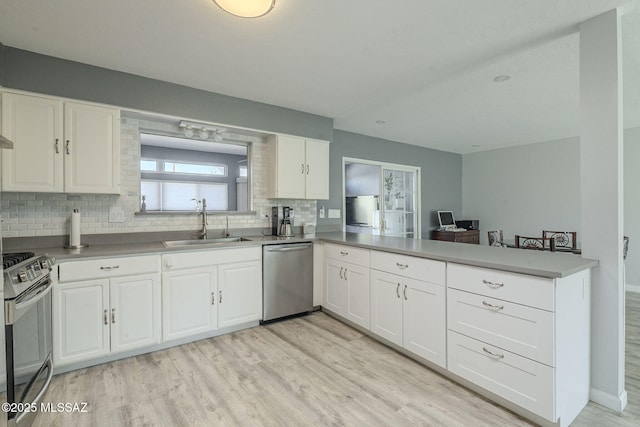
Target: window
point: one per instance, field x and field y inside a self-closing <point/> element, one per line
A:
<point x="176" y="173"/>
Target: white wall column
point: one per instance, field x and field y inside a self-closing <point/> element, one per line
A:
<point x="601" y="176"/>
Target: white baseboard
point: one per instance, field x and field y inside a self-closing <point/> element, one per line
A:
<point x="615" y="403"/>
<point x="632" y="288"/>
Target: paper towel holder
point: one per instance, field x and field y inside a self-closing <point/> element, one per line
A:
<point x="78" y="246"/>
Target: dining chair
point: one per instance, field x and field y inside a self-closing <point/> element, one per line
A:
<point x="495" y="238"/>
<point x="535" y="243"/>
<point x="563" y="240"/>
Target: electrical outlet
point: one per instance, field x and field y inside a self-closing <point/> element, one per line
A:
<point x="116" y="214"/>
<point x="321" y="214"/>
<point x="334" y="213"/>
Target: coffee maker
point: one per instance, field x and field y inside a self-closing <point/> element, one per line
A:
<point x="282" y="226"/>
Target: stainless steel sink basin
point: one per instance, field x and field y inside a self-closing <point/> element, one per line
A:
<point x="175" y="243"/>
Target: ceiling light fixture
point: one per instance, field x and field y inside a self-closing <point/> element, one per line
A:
<point x="204" y="134"/>
<point x="501" y="78"/>
<point x="188" y="132"/>
<point x="246" y="8"/>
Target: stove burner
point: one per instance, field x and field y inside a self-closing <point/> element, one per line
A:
<point x="9" y="260"/>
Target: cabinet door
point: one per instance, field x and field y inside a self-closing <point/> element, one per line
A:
<point x="239" y="293"/>
<point x="290" y="161"/>
<point x="92" y="149"/>
<point x="34" y="124"/>
<point x="386" y="306"/>
<point x="317" y="169"/>
<point x="189" y="303"/>
<point x="135" y="312"/>
<point x="358" y="288"/>
<point x="335" y="287"/>
<point x="80" y="321"/>
<point x="424" y="320"/>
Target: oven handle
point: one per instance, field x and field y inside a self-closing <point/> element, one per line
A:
<point x="48" y="364"/>
<point x="34" y="296"/>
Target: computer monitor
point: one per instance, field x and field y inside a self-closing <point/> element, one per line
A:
<point x="446" y="219"/>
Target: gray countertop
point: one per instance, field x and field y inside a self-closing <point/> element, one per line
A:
<point x="536" y="263"/>
<point x="543" y="264"/>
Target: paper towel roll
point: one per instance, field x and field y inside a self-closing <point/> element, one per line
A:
<point x="74" y="233"/>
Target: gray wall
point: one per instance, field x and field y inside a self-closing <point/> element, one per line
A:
<point x="441" y="182"/>
<point x="54" y="76"/>
<point x="2" y="64"/>
<point x="523" y="190"/>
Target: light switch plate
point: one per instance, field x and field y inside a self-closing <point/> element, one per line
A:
<point x="116" y="214"/>
<point x="334" y="213"/>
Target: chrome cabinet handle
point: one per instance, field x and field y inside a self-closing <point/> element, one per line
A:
<point x="110" y="267"/>
<point x="220" y="299"/>
<point x="307" y="169"/>
<point x="341" y="268"/>
<point x="213" y="298"/>
<point x="405" y="292"/>
<point x="57" y="146"/>
<point x="402" y="265"/>
<point x="67" y="147"/>
<point x="398" y="290"/>
<point x="499" y="356"/>
<point x="302" y="168"/>
<point x="345" y="274"/>
<point x="113" y="315"/>
<point x="106" y="317"/>
<point x="493" y="307"/>
<point x="493" y="284"/>
<point x="344" y="253"/>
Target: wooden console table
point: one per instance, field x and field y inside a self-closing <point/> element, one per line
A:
<point x="469" y="236"/>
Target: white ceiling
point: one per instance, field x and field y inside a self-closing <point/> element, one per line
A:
<point x="426" y="67"/>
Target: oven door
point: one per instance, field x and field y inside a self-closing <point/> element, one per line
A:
<point x="28" y="340"/>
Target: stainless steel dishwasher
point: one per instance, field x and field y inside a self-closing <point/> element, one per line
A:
<point x="287" y="280"/>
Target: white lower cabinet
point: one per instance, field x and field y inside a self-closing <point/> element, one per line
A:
<point x="208" y="290"/>
<point x="239" y="293"/>
<point x="347" y="286"/>
<point x="189" y="303"/>
<point x="409" y="313"/>
<point x="523" y="338"/>
<point x="94" y="318"/>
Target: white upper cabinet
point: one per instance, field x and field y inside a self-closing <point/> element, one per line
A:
<point x="92" y="149"/>
<point x="34" y="124"/>
<point x="299" y="168"/>
<point x="60" y="146"/>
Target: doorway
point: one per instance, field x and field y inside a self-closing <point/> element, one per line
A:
<point x="381" y="198"/>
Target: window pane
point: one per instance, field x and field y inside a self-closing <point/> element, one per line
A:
<point x="216" y="195"/>
<point x="193" y="168"/>
<point x="176" y="196"/>
<point x="151" y="192"/>
<point x="148" y="165"/>
<point x="243" y="171"/>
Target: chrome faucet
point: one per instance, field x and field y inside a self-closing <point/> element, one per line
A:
<point x="204" y="219"/>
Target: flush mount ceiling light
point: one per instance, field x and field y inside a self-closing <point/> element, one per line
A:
<point x="246" y="8"/>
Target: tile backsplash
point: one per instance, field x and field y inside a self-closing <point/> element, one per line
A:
<point x="47" y="214"/>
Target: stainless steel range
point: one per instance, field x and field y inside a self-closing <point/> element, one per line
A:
<point x="27" y="306"/>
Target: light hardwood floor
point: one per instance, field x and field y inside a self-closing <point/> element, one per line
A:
<point x="312" y="370"/>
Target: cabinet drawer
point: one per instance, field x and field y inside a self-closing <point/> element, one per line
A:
<point x="191" y="259"/>
<point x="348" y="254"/>
<point x="426" y="270"/>
<point x="518" y="328"/>
<point x="519" y="288"/>
<point x="520" y="380"/>
<point x="108" y="267"/>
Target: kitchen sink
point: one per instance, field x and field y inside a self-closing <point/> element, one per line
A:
<point x="193" y="242"/>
